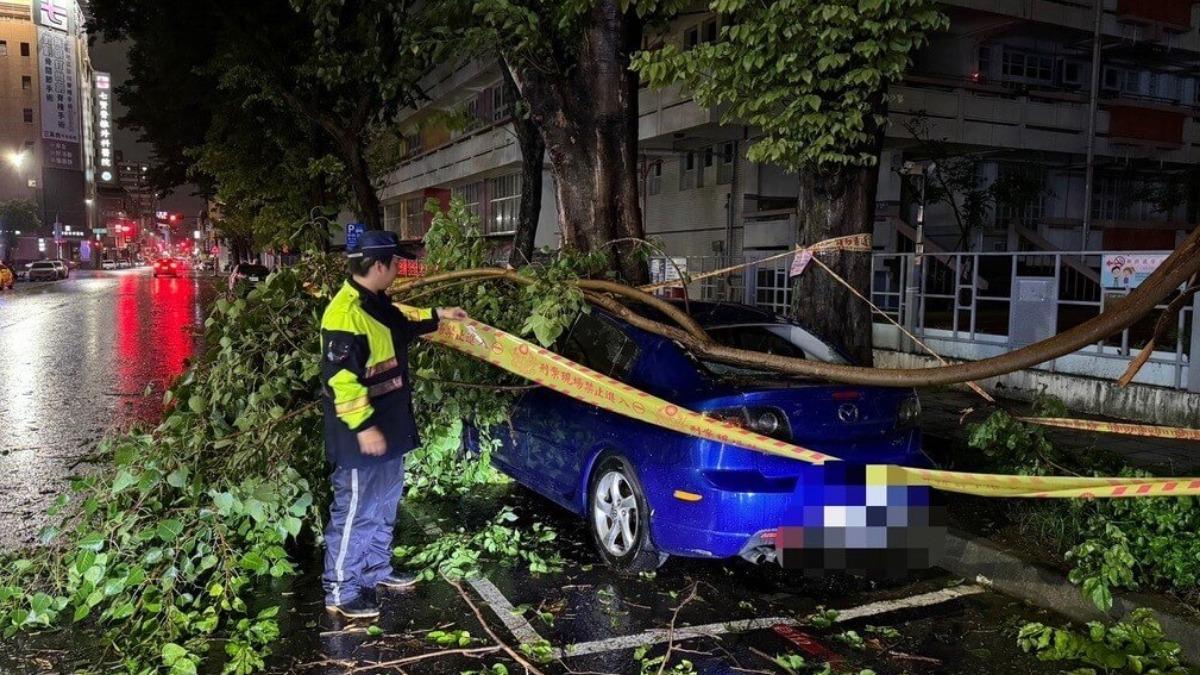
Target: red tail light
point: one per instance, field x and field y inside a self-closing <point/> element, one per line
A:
<point x="847" y="395"/>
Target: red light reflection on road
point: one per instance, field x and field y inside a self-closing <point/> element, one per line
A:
<point x="154" y="326"/>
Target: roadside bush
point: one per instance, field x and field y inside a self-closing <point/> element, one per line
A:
<point x="1110" y="543"/>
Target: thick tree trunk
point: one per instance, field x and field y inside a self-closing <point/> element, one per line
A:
<point x="836" y="203"/>
<point x="589" y="123"/>
<point x="533" y="149"/>
<point x="369" y="210"/>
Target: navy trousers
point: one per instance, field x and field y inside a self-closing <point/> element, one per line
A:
<point x="358" y="540"/>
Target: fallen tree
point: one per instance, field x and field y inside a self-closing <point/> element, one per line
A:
<point x="1175" y="271"/>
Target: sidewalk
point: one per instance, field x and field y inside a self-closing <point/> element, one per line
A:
<point x="943" y="420"/>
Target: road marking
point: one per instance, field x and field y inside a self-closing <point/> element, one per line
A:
<point x="660" y="635"/>
<point x="514" y="621"/>
<point x="525" y="633"/>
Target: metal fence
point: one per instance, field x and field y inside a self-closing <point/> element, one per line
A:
<point x="974" y="305"/>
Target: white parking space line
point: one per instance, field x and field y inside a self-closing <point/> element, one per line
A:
<point x="660" y="635"/>
<point x="515" y="622"/>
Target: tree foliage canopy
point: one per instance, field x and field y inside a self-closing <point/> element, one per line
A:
<point x="810" y="74"/>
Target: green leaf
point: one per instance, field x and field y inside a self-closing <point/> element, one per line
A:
<point x="123" y="480"/>
<point x="178" y="478"/>
<point x="169" y="530"/>
<point x="173" y="653"/>
<point x="93" y="541"/>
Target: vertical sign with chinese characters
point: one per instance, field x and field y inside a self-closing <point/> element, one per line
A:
<point x="105" y="169"/>
<point x="60" y="102"/>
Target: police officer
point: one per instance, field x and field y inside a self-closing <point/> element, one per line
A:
<point x="369" y="423"/>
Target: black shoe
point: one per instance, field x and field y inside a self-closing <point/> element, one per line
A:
<point x="398" y="581"/>
<point x="362" y="607"/>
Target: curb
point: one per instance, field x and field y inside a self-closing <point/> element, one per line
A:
<point x="982" y="561"/>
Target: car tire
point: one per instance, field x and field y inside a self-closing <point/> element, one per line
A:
<point x="606" y="516"/>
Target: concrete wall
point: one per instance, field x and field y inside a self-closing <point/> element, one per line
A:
<point x="1153" y="405"/>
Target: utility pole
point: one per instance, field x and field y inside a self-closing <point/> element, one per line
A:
<point x="1090" y="168"/>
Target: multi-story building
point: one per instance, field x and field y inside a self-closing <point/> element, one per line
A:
<point x="45" y="122"/>
<point x="133" y="178"/>
<point x="1007" y="105"/>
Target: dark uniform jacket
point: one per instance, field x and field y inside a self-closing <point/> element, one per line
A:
<point x="364" y="374"/>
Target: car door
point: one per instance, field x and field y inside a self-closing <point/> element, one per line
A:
<point x="554" y="432"/>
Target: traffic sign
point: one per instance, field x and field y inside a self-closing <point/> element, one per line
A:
<point x="353" y="232"/>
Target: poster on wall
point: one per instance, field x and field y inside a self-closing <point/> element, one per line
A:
<point x="1126" y="271"/>
<point x="60" y="97"/>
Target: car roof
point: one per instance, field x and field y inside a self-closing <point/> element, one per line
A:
<point x="711" y="314"/>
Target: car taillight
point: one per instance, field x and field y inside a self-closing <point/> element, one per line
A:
<point x="765" y="420"/>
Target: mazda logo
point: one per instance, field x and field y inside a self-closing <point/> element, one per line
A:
<point x="848" y="413"/>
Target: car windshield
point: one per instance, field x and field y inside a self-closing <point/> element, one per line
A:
<point x="776" y="339"/>
<point x="43" y="266"/>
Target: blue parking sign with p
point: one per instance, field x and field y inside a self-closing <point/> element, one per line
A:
<point x="353" y="232"/>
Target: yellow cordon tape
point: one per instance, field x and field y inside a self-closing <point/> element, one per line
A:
<point x="520" y="357"/>
<point x="854" y="243"/>
<point x="1143" y="430"/>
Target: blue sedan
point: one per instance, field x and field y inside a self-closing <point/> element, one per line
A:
<point x="647" y="492"/>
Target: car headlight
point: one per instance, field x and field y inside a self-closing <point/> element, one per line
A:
<point x="909" y="413"/>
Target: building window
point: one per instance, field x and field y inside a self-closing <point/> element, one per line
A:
<point x="725" y="168"/>
<point x="1113" y="199"/>
<point x="1073" y="73"/>
<point x="391" y="218"/>
<point x="1020" y="66"/>
<point x="412" y="145"/>
<point x="1122" y="80"/>
<point x="472" y="196"/>
<point x="687" y="171"/>
<point x="984" y="67"/>
<point x="413" y="218"/>
<point x="654" y="180"/>
<point x="3" y="47"/>
<point x="1025" y="188"/>
<point x="26" y="82"/>
<point x="710" y="30"/>
<point x="691" y="37"/>
<point x="505" y="204"/>
<point x="24" y="49"/>
<point x="502" y="103"/>
<point x="28" y="114"/>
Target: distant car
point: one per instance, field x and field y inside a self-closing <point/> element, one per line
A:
<point x="166" y="267"/>
<point x="64" y="270"/>
<point x="108" y="265"/>
<point x="7" y="277"/>
<point x="247" y="273"/>
<point x="646" y="492"/>
<point x="46" y="270"/>
<point x="123" y="264"/>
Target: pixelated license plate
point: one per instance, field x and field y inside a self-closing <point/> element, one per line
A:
<point x="861" y="519"/>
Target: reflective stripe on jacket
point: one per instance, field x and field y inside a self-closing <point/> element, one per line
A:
<point x="364" y="373"/>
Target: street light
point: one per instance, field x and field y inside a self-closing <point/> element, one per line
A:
<point x="17" y="158"/>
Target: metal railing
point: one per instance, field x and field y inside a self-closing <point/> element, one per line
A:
<point x="969" y="306"/>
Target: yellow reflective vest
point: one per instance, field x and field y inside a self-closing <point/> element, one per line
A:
<point x="364" y="373"/>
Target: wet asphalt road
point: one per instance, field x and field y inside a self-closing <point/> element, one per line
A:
<point x="77" y="356"/>
<point x="80" y="357"/>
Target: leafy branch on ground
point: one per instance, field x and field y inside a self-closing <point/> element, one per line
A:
<point x="461" y="553"/>
<point x="1134" y="645"/>
<point x="165" y="549"/>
